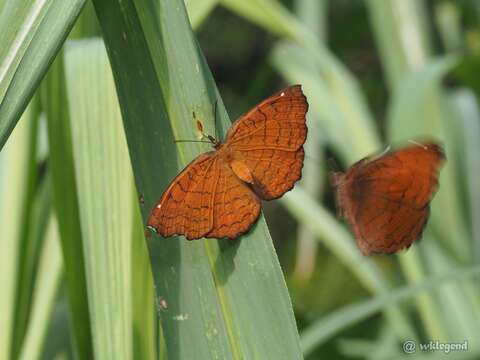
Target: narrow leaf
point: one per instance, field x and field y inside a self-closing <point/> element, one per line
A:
<point x="35" y="32"/>
<point x="103" y="176"/>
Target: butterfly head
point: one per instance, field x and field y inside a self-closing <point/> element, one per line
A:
<point x="336" y="178"/>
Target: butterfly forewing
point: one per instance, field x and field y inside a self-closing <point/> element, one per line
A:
<point x="276" y="123"/>
<point x="269" y="140"/>
<point x="185" y="208"/>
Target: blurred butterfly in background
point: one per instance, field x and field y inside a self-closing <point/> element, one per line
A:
<point x="386" y="199"/>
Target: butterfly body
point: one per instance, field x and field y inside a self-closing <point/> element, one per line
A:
<point x="218" y="194"/>
<point x="386" y="199"/>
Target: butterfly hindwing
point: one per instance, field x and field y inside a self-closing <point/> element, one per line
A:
<point x="235" y="205"/>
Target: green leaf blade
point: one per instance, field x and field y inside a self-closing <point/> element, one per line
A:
<point x="104" y="181"/>
<point x="26" y="58"/>
<point x="192" y="276"/>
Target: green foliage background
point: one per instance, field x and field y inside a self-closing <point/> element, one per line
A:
<point x="92" y="95"/>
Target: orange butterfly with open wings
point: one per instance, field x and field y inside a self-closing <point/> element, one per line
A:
<point x="218" y="194"/>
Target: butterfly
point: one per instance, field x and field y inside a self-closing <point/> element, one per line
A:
<point x="386" y="199"/>
<point x="218" y="195"/>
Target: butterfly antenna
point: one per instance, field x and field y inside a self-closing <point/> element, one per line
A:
<point x="373" y="157"/>
<point x="191" y="141"/>
<point x="387" y="149"/>
<point x="215" y="117"/>
<point x="417" y="143"/>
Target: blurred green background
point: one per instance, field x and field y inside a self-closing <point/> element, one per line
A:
<point x="93" y="95"/>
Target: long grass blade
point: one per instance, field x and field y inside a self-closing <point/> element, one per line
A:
<point x="323" y="329"/>
<point x="65" y="201"/>
<point x="219" y="286"/>
<point x="35" y="30"/>
<point x="18" y="171"/>
<point x="104" y="180"/>
<point x="47" y="284"/>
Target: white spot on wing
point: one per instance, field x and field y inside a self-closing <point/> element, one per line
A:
<point x="159" y="206"/>
<point x="181" y="317"/>
<point x="282" y="94"/>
